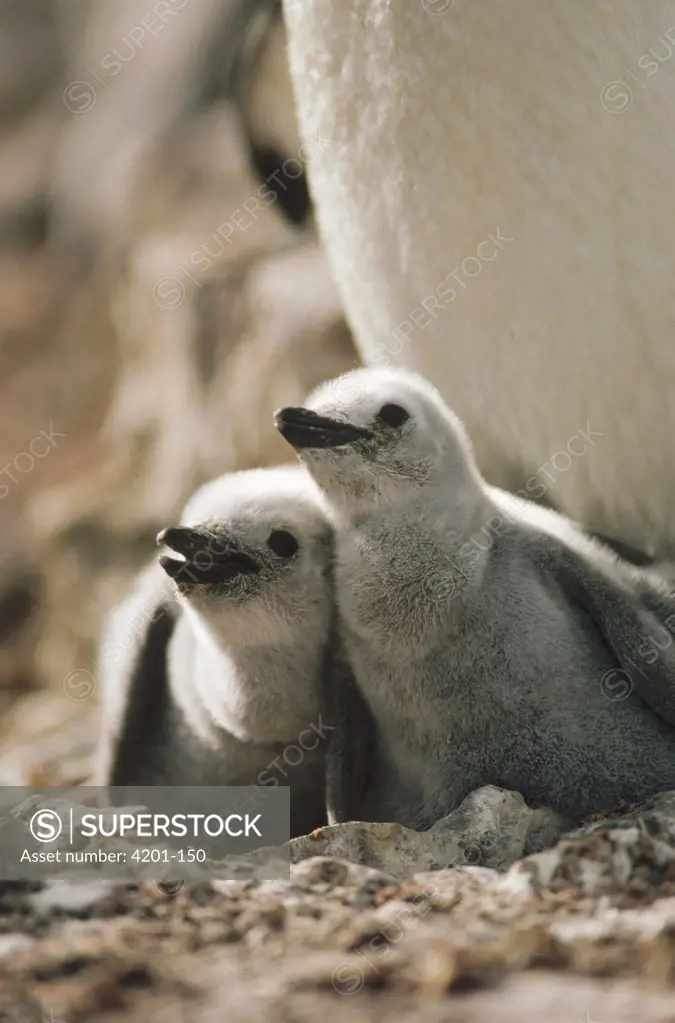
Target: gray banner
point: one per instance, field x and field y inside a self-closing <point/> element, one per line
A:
<point x="141" y="833"/>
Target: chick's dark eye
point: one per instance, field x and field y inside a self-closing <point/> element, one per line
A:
<point x="393" y="415"/>
<point x="282" y="543"/>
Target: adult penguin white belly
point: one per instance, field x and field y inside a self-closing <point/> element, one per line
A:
<point x="494" y="184"/>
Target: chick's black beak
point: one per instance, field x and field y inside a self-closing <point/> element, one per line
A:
<point x="306" y="429"/>
<point x="206" y="557"/>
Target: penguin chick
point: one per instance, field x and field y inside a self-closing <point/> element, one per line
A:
<point x="230" y="679"/>
<point x="484" y="632"/>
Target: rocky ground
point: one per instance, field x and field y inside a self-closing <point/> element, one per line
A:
<point x="584" y="931"/>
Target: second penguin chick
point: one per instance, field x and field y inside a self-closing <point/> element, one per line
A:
<point x="219" y="686"/>
<point x="492" y="640"/>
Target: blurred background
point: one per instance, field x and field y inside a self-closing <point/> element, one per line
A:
<point x="161" y="292"/>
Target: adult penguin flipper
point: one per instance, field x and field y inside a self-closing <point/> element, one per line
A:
<point x="133" y="668"/>
<point x="634" y="609"/>
<point x="351" y="746"/>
